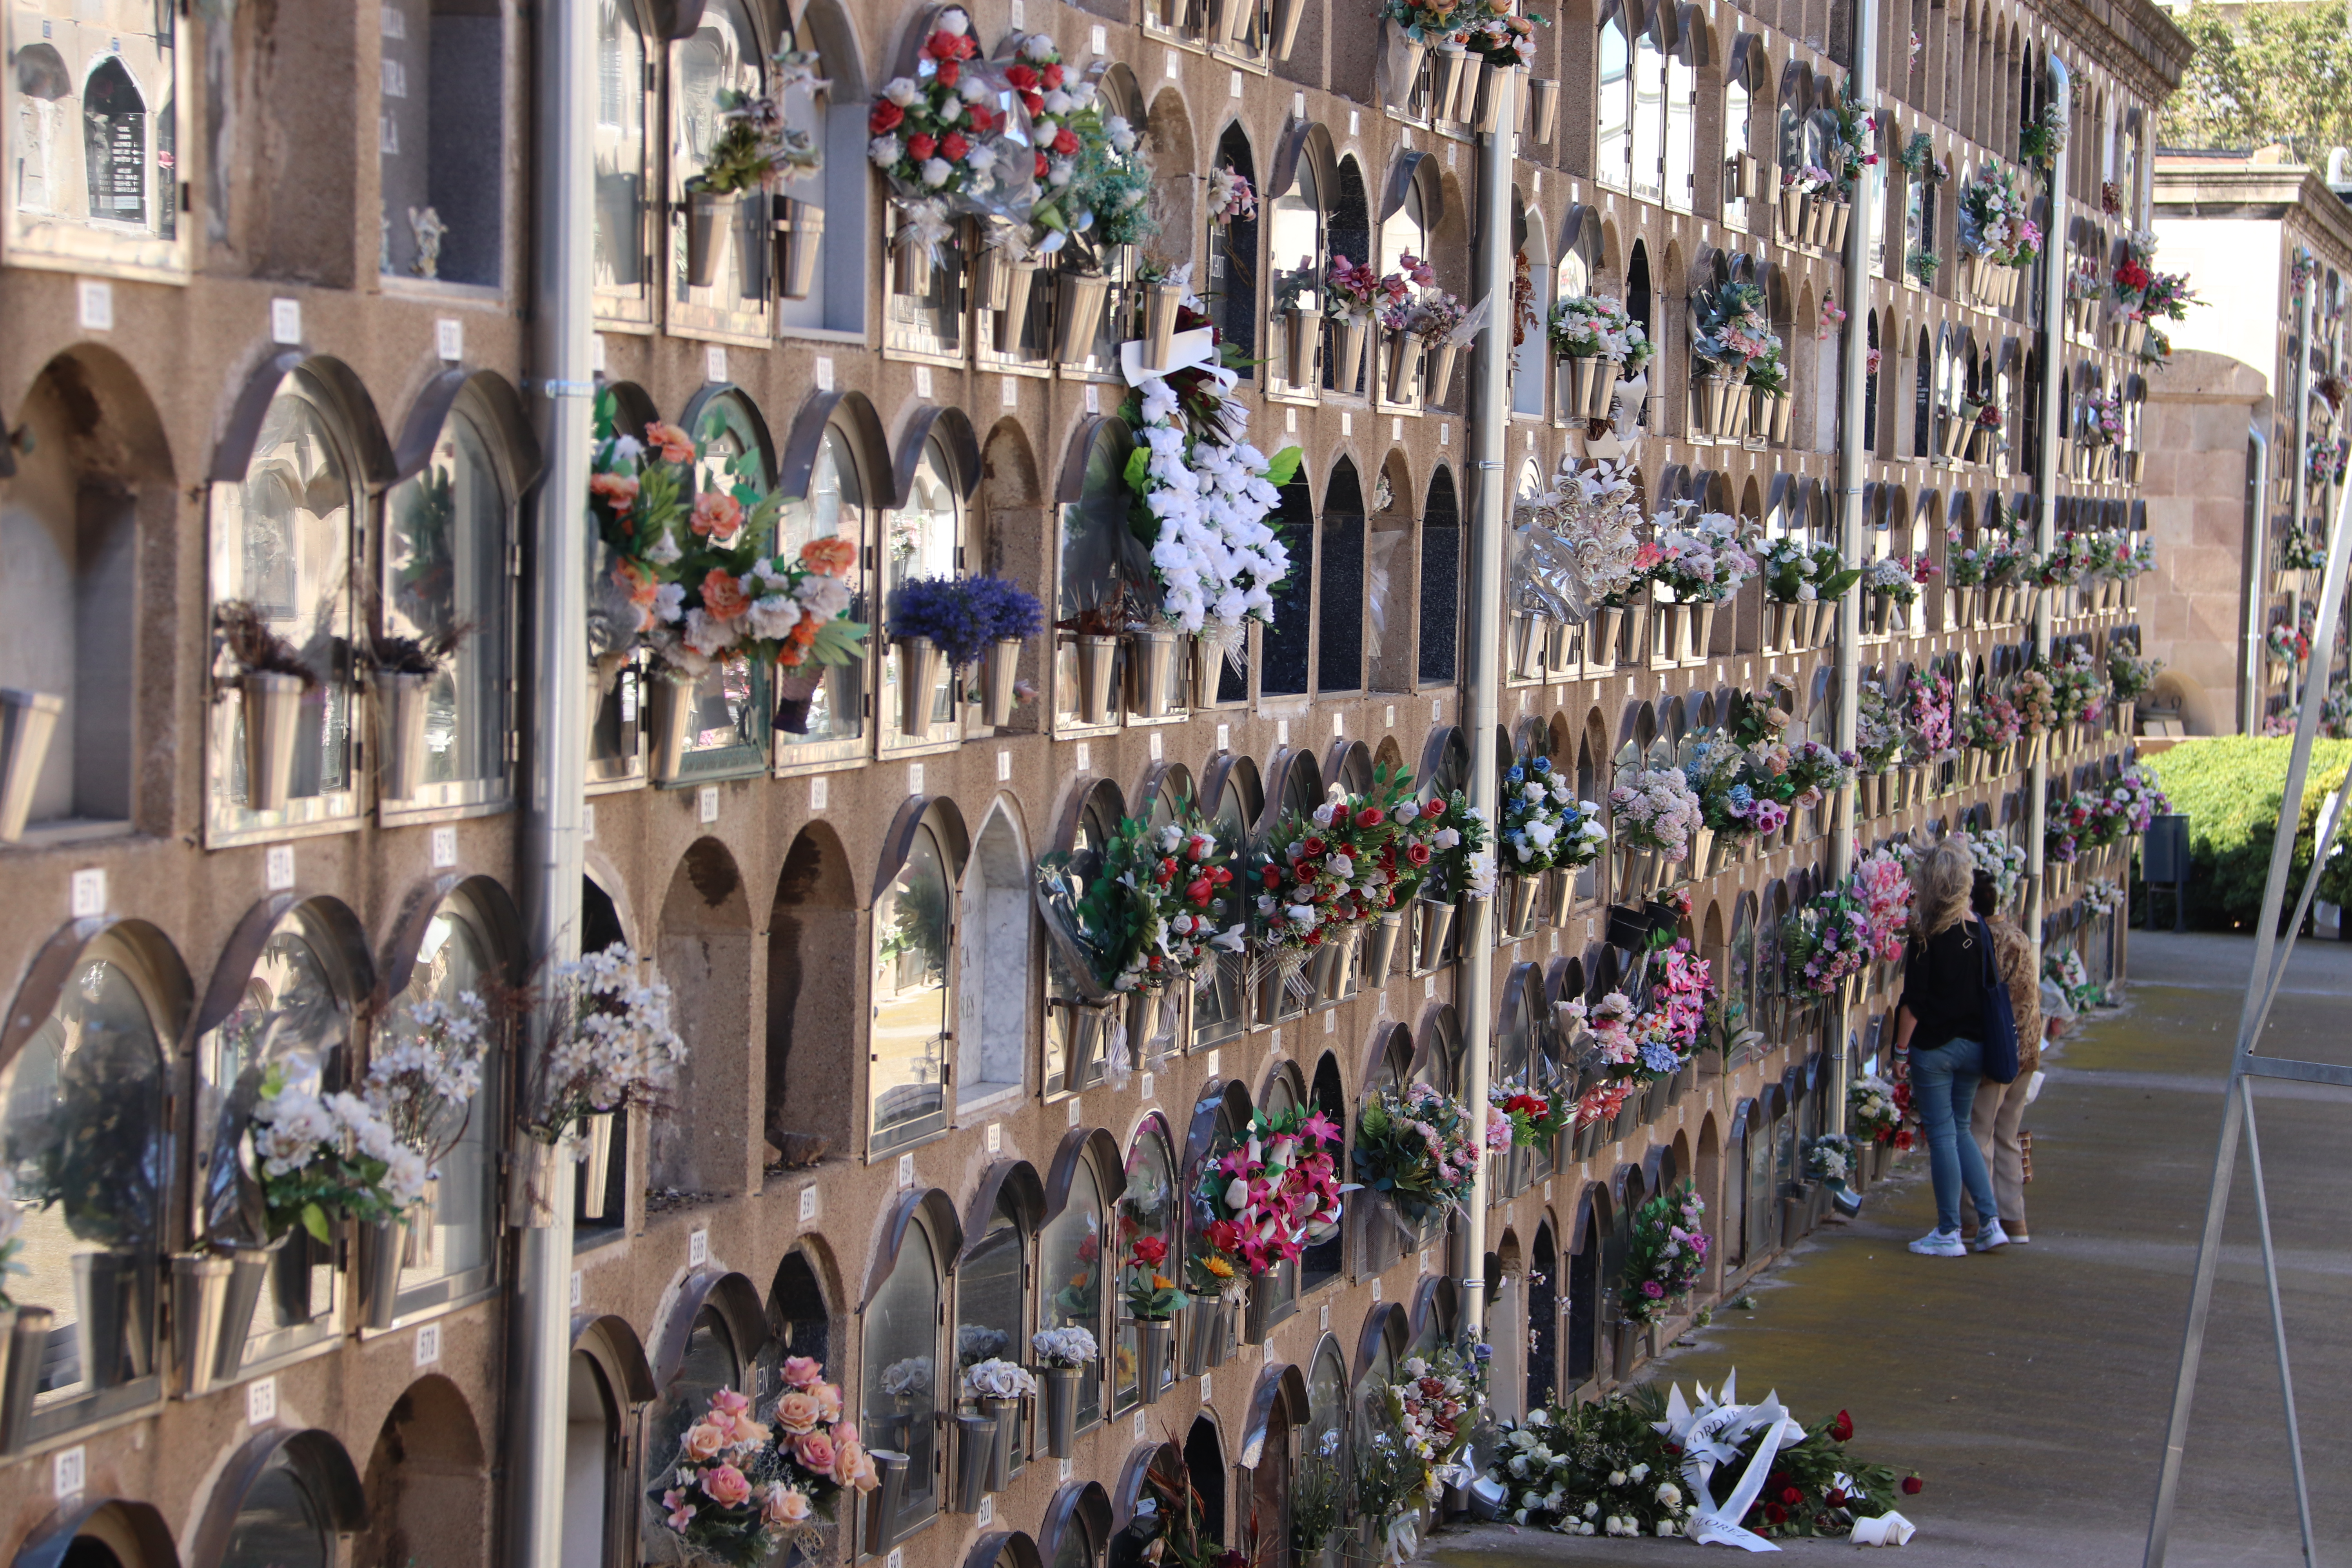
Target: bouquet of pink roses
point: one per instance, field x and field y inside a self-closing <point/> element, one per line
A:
<point x="741" y="1489"/>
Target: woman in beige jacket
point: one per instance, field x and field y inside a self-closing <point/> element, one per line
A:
<point x="1999" y="1108"/>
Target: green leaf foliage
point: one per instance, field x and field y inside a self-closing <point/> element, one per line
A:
<point x="2263" y="75"/>
<point x="2231" y="788"/>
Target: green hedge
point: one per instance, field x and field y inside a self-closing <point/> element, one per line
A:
<point x="2231" y="787"/>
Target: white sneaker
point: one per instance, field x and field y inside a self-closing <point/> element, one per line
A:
<point x="1940" y="1244"/>
<point x="1991" y="1238"/>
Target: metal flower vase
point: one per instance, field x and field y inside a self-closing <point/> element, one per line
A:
<point x="272" y="705"/>
<point x="1282" y="36"/>
<point x="1710" y="397"/>
<point x="1015" y="294"/>
<point x="250" y="1270"/>
<point x="800" y="240"/>
<point x="1204" y="661"/>
<point x="1000" y="672"/>
<point x="1435" y="918"/>
<point x="1449" y="69"/>
<point x="997" y="1470"/>
<point x="669" y="715"/>
<point x="919" y="677"/>
<point x="1058" y="1390"/>
<point x="200" y="1283"/>
<point x="882" y="1525"/>
<point x="1097" y="675"/>
<point x="1403" y="366"/>
<point x="27" y="1337"/>
<point x="1348" y="336"/>
<point x="1404" y="56"/>
<point x="1700" y="630"/>
<point x="1079" y="299"/>
<point x="28" y="720"/>
<point x="1152" y="661"/>
<point x="1486" y="115"/>
<point x="1203" y="1337"/>
<point x="376" y="1254"/>
<point x="399" y="733"/>
<point x="975" y="1449"/>
<point x="1151" y="1336"/>
<point x="1543" y="110"/>
<point x="1604" y="635"/>
<point x="1839" y="213"/>
<point x="596" y="1166"/>
<point x="708" y="214"/>
<point x="1380" y="948"/>
<point x="1300" y="328"/>
<point x="1161" y="302"/>
<point x="1441" y="371"/>
<point x="1519" y="902"/>
<point x="114" y="1298"/>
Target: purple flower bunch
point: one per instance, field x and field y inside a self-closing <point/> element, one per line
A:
<point x="964" y="615"/>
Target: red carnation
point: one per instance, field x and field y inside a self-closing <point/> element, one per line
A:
<point x="1066" y="141"/>
<point x="1417" y="853"/>
<point x="885" y="117"/>
<point x="1024" y="77"/>
<point x="950" y="73"/>
<point x="1370" y="816"/>
<point x="1040" y="165"/>
<point x="920" y="145"/>
<point x="1837" y="1498"/>
<point x="952" y="146"/>
<point x="1913" y="1486"/>
<point x="1050" y="77"/>
<point x="1842" y="1427"/>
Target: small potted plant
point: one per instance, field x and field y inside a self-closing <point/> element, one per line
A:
<point x="1095" y="632"/>
<point x="1062" y="1353"/>
<point x="272" y="682"/>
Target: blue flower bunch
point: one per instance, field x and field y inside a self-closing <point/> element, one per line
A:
<point x="964" y="615"/>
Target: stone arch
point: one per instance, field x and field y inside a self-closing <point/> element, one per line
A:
<point x="428" y="1485"/>
<point x="1168" y="133"/>
<point x="705" y="950"/>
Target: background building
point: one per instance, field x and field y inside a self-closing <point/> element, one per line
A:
<point x="268" y="342"/>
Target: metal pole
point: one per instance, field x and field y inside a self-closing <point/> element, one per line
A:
<point x="1485" y="442"/>
<point x="2045" y="479"/>
<point x="564" y="85"/>
<point x="2250" y="638"/>
<point x="2278" y="1316"/>
<point x="2302" y="401"/>
<point x="1855" y="374"/>
<point x="2262" y="986"/>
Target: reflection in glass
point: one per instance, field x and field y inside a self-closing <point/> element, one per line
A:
<point x="911" y="996"/>
<point x="900" y="1389"/>
<point x="445" y="580"/>
<point x="1616" y="105"/>
<point x="619" y="212"/>
<point x="88" y="1154"/>
<point x="711" y="1364"/>
<point x="1649" y="117"/>
<point x="281" y="1522"/>
<point x="724" y="55"/>
<point x="281" y="543"/>
<point x="1070" y="1271"/>
<point x="921" y="543"/>
<point x="1146" y="1208"/>
<point x="449" y="1236"/>
<point x="834" y="507"/>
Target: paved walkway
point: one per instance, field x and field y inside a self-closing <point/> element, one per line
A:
<point x="2030" y="1388"/>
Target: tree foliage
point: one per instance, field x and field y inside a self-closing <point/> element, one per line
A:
<point x="2264" y="74"/>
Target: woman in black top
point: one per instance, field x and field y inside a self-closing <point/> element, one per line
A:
<point x="1939" y="1023"/>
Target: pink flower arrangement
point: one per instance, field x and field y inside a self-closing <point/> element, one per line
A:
<point x="1275" y="1192"/>
<point x="742" y="1488"/>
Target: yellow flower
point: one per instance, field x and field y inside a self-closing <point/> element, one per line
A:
<point x="1218" y="1267"/>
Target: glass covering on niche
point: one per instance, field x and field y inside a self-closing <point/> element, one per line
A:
<point x="618" y="260"/>
<point x="444" y="561"/>
<point x="88" y="1157"/>
<point x="1146" y="1209"/>
<point x="912" y="996"/>
<point x="711" y="1364"/>
<point x="447" y="1246"/>
<point x="440" y="140"/>
<point x="293" y="1023"/>
<point x="988" y="1314"/>
<point x="732" y="703"/>
<point x="900" y="1391"/>
<point x="281" y="545"/>
<point x="1070" y="1270"/>
<point x="91" y="97"/>
<point x="921" y="543"/>
<point x="829" y="705"/>
<point x="725" y="55"/>
<point x="282" y="1523"/>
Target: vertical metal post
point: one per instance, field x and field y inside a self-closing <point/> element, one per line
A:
<point x="557" y="718"/>
<point x="1862" y="89"/>
<point x="2278" y="1317"/>
<point x="2049" y="472"/>
<point x="1485" y="443"/>
<point x="2254" y="584"/>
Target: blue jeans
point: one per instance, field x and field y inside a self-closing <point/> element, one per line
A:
<point x="1944" y="1086"/>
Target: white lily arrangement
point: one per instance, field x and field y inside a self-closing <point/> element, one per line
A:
<point x="1209" y="493"/>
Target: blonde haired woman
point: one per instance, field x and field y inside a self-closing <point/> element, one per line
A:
<point x="1939" y="1023"/>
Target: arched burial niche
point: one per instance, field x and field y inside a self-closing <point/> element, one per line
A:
<point x="89" y="1064"/>
<point x="94" y="468"/>
<point x="699" y="1144"/>
<point x="468" y="940"/>
<point x="813" y="942"/>
<point x="997" y="920"/>
<point x="607" y="1382"/>
<point x="901" y="1387"/>
<point x="281" y="1502"/>
<point x="100" y="1532"/>
<point x="710" y="1337"/>
<point x="428" y="1483"/>
<point x="835" y="471"/>
<point x="913" y="968"/>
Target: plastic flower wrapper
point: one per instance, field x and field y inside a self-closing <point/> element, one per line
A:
<point x="740" y="1491"/>
<point x="1575" y="543"/>
<point x="1270" y="1192"/>
<point x="952" y="138"/>
<point x="1418" y="1146"/>
<point x="1150" y="909"/>
<point x="1667" y="1256"/>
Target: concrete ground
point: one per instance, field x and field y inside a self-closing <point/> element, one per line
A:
<point x="2030" y="1388"/>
